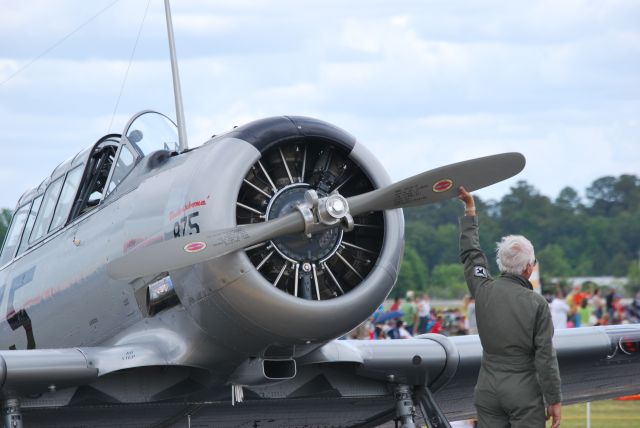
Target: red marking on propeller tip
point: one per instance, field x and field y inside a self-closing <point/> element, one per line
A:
<point x="442" y="185"/>
<point x="194" y="247"/>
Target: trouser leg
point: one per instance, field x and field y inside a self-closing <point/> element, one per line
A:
<point x="523" y="401"/>
<point x="490" y="413"/>
<point x="529" y="417"/>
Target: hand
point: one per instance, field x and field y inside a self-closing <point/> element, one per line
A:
<point x="553" y="412"/>
<point x="469" y="204"/>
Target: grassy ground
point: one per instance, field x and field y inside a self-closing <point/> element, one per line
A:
<point x="604" y="414"/>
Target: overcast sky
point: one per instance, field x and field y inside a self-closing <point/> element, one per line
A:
<point x="421" y="83"/>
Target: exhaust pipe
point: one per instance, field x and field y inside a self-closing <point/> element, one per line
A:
<point x="259" y="371"/>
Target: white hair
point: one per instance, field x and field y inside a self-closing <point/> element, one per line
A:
<point x="514" y="253"/>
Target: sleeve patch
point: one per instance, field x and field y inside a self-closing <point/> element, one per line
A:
<point x="480" y="271"/>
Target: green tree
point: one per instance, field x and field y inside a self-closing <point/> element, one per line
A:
<point x="434" y="245"/>
<point x="633" y="277"/>
<point x="569" y="200"/>
<point x="553" y="262"/>
<point x="598" y="237"/>
<point x="447" y="281"/>
<point x="611" y="195"/>
<point x="436" y="214"/>
<point x="526" y="212"/>
<point x="602" y="196"/>
<point x="413" y="274"/>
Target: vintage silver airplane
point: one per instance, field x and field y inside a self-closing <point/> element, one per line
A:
<point x="146" y="284"/>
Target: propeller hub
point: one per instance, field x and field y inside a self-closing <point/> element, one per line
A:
<point x="300" y="247"/>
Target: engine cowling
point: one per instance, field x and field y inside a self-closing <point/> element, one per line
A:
<point x="295" y="289"/>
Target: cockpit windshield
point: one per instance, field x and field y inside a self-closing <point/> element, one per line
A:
<point x="151" y="131"/>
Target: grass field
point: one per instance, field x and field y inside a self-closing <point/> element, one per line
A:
<point x="604" y="414"/>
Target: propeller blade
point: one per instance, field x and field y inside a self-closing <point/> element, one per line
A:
<point x="432" y="186"/>
<point x="439" y="184"/>
<point x="191" y="249"/>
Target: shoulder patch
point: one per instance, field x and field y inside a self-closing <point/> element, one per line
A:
<point x="480" y="271"/>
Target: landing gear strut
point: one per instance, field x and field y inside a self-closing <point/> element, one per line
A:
<point x="405" y="411"/>
<point x="11" y="415"/>
<point x="406" y="402"/>
<point x="432" y="413"/>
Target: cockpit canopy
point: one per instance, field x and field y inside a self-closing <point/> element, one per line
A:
<point x="80" y="184"/>
<point x="150" y="131"/>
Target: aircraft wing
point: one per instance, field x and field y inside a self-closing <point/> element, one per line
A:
<point x="343" y="383"/>
<point x="595" y="363"/>
<point x="35" y="371"/>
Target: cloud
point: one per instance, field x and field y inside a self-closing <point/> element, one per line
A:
<point x="195" y="25"/>
<point x="420" y="84"/>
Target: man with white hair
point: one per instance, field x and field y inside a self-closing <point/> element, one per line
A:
<point x="519" y="365"/>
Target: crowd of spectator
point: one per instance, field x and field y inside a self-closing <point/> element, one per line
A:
<point x="413" y="315"/>
<point x="583" y="308"/>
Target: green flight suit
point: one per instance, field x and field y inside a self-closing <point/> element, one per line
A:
<point x="519" y="363"/>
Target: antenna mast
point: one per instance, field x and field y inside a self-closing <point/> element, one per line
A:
<point x="177" y="92"/>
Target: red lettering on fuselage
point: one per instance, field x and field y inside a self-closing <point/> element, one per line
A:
<point x="185" y="208"/>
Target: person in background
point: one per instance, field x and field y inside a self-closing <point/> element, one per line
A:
<point x="437" y="325"/>
<point x="604" y="320"/>
<point x="584" y="313"/>
<point x="390" y="329"/>
<point x="424" y="311"/>
<point x="472" y="325"/>
<point x="633" y="309"/>
<point x="465" y="301"/>
<point x="559" y="310"/>
<point x="395" y="306"/>
<point x="410" y="312"/>
<point x="573" y="300"/>
<point x="460" y="327"/>
<point x="403" y="333"/>
<point x="378" y="333"/>
<point x="598" y="303"/>
<point x="609" y="305"/>
<point x="618" y="310"/>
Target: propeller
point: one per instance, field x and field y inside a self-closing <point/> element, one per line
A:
<point x="439" y="184"/>
<point x="187" y="250"/>
<point x="435" y="185"/>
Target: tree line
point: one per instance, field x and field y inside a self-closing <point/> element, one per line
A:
<point x="597" y="236"/>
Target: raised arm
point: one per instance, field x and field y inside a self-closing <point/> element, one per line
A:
<point x="476" y="268"/>
<point x="469" y="203"/>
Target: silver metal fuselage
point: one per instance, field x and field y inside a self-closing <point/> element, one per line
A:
<point x="228" y="311"/>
